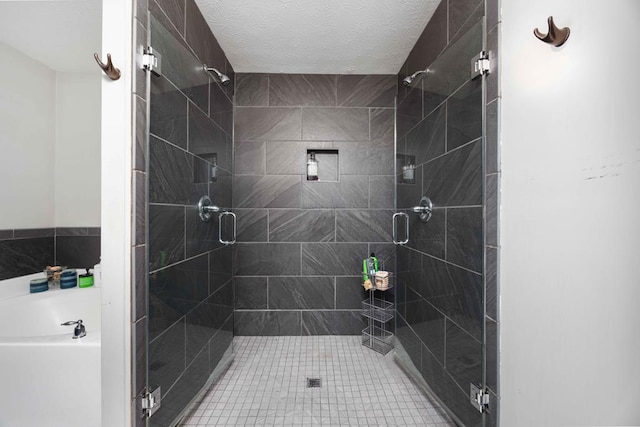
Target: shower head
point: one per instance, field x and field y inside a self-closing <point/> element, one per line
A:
<point x="409" y="79"/>
<point x="223" y="78"/>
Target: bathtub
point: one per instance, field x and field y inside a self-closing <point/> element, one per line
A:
<point x="46" y="377"/>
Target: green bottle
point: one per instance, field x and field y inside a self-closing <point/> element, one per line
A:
<point x="85" y="280"/>
<point x="369" y="266"/>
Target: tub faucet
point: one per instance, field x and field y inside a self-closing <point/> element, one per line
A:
<point x="79" y="331"/>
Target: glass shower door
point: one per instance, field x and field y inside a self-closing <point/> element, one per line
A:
<point x="190" y="295"/>
<point x="441" y="308"/>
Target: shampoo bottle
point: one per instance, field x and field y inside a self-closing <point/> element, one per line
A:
<point x="85" y="280"/>
<point x="370" y="266"/>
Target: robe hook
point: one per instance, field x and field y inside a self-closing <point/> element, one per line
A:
<point x="112" y="72"/>
<point x="555" y="36"/>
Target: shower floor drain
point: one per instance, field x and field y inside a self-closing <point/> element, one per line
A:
<point x="314" y="382"/>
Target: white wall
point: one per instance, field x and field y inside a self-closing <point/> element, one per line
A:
<point x="570" y="215"/>
<point x="50" y="144"/>
<point x="77" y="153"/>
<point x="27" y="135"/>
<point x="115" y="244"/>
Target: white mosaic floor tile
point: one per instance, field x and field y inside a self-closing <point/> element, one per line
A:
<point x="266" y="385"/>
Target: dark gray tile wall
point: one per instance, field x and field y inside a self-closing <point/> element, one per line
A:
<point x="78" y="251"/>
<point x="28" y="251"/>
<point x="301" y="243"/>
<point x="448" y="290"/>
<point x="179" y="266"/>
<point x="25" y="256"/>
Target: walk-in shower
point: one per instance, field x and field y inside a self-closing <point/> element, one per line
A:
<point x="294" y="267"/>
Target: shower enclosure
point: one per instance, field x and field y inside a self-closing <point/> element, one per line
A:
<point x="189" y="295"/>
<point x="184" y="313"/>
<point x="441" y="284"/>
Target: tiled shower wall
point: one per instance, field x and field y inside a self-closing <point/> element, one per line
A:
<point x="27" y="251"/>
<point x="450" y="262"/>
<point x="180" y="269"/>
<point x="301" y="243"/>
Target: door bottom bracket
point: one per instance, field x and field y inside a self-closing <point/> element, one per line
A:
<point x="479" y="398"/>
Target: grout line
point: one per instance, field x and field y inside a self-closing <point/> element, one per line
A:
<point x="370" y="113"/>
<point x="301" y="123"/>
<point x="424" y="113"/>
<point x="477" y="273"/>
<point x="209" y="276"/>
<point x="185" y="343"/>
<point x="444" y="338"/>
<point x="446" y="234"/>
<point x="446" y="127"/>
<point x="175" y="263"/>
<point x="264" y="153"/>
<point x="448" y="22"/>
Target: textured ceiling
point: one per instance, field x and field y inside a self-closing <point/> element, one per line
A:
<point x="62" y="34"/>
<point x="317" y="36"/>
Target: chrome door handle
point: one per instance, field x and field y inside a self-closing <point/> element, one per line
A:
<point x="235" y="230"/>
<point x="395" y="228"/>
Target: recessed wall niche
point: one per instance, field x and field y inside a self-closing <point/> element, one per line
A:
<point x="322" y="165"/>
<point x="206" y="171"/>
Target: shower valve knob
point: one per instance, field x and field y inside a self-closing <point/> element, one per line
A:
<point x="420" y="209"/>
<point x="206" y="209"/>
<point x="423" y="209"/>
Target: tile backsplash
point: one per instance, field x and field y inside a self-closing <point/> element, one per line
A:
<point x="26" y="251"/>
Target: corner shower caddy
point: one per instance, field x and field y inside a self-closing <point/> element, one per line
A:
<point x="379" y="313"/>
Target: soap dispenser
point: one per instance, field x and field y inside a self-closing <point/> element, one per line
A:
<point x="214" y="170"/>
<point x="312" y="167"/>
<point x="408" y="173"/>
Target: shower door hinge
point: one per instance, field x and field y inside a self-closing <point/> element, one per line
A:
<point x="479" y="398"/>
<point x="151" y="402"/>
<point x="480" y="65"/>
<point x="152" y="61"/>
